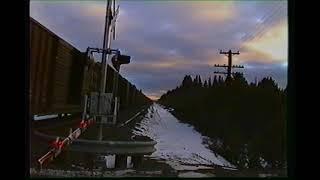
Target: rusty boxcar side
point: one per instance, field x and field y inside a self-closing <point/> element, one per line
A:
<point x="60" y="75"/>
<point x="55" y="68"/>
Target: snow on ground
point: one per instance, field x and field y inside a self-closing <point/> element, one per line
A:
<point x="129" y="162"/>
<point x="179" y="144"/>
<point x="110" y="161"/>
<point x="45" y="117"/>
<point x="86" y="173"/>
<point x="50" y="116"/>
<point x="192" y="174"/>
<point x="263" y="162"/>
<point x="267" y="175"/>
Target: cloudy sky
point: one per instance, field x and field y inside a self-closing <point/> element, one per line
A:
<point x="169" y="39"/>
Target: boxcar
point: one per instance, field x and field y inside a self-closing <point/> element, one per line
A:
<point x="60" y="75"/>
<point x="56" y="73"/>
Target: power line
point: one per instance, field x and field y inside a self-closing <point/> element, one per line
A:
<point x="268" y="22"/>
<point x="265" y="22"/>
<point x="263" y="25"/>
<point x="263" y="19"/>
<point x="271" y="23"/>
<point x="269" y="13"/>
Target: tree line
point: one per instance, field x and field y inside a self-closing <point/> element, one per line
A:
<point x="248" y="121"/>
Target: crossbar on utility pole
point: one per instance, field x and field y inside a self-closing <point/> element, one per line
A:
<point x="229" y="66"/>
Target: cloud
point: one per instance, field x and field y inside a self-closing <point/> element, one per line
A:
<point x="253" y="56"/>
<point x="212" y="12"/>
<point x="169" y="39"/>
<point x="274" y="42"/>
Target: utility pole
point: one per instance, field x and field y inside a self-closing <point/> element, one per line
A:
<point x="229" y="67"/>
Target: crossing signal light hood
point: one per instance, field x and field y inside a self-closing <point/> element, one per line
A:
<point x="118" y="60"/>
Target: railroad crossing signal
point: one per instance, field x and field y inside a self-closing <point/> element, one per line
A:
<point x="118" y="60"/>
<point x="113" y="21"/>
<point x="229" y="66"/>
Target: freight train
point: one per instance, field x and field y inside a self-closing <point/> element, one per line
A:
<point x="60" y="76"/>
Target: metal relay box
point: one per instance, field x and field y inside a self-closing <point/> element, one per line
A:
<point x="105" y="100"/>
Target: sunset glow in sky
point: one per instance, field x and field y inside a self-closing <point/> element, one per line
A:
<point x="170" y="39"/>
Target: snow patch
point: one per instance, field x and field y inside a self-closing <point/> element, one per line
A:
<point x="177" y="143"/>
<point x="192" y="174"/>
<point x="263" y="163"/>
<point x="129" y="162"/>
<point x="36" y="117"/>
<point x="110" y="161"/>
<point x="266" y="175"/>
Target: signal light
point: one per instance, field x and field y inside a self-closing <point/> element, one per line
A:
<point x="118" y="60"/>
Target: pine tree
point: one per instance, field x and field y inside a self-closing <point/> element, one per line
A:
<point x="209" y="82"/>
<point x="195" y="81"/>
<point x="200" y="82"/>
<point x="187" y="81"/>
<point x="215" y="81"/>
<point x="205" y="85"/>
<point x="239" y="80"/>
<point x="268" y="83"/>
<point x="220" y="80"/>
